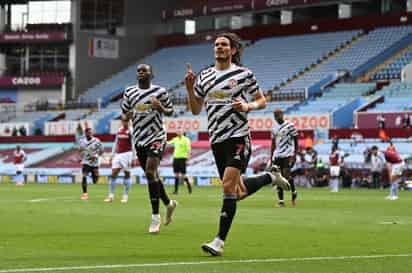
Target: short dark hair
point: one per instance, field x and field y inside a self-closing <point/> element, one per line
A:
<point x="278" y="110"/>
<point x="235" y="42"/>
<point x="374" y="147"/>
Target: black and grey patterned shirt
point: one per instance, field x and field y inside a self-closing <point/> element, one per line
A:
<point x="90" y="151"/>
<point x="219" y="88"/>
<point x="283" y="136"/>
<point x="147" y="122"/>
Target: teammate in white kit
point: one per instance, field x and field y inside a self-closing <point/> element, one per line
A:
<point x="146" y="103"/>
<point x="122" y="158"/>
<point x="19" y="159"/>
<point x="91" y="149"/>
<point x="284" y="152"/>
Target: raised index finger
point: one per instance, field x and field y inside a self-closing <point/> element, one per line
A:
<point x="189" y="68"/>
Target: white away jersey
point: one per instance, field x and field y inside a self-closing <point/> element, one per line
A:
<point x="147" y="122"/>
<point x="219" y="89"/>
<point x="283" y="137"/>
<point x="90" y="151"/>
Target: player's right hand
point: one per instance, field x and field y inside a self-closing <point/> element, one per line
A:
<point x="190" y="77"/>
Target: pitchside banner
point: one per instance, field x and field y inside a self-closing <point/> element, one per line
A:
<point x="69" y="127"/>
<point x="256" y="123"/>
<point x="6" y="129"/>
<point x="392" y="119"/>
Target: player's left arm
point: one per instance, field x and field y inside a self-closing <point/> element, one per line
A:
<point x="252" y="90"/>
<point x="259" y="102"/>
<point x="163" y="104"/>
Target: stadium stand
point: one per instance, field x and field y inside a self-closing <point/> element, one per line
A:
<point x="397" y="97"/>
<point x="334" y="98"/>
<point x="75" y="114"/>
<point x="36" y="153"/>
<point x="353" y="58"/>
<point x="393" y="69"/>
<point x="168" y="63"/>
<point x="276" y="60"/>
<point x="355" y="151"/>
<point x="260" y="57"/>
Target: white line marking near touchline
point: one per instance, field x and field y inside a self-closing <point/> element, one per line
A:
<point x="274" y="260"/>
<point x="38" y="200"/>
<point x="62" y="198"/>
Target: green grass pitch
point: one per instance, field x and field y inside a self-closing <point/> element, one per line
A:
<point x="47" y="228"/>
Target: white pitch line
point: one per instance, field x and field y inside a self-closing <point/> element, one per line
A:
<point x="62" y="198"/>
<point x="274" y="260"/>
<point x="38" y="200"/>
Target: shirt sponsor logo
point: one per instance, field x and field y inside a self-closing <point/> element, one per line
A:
<point x="143" y="108"/>
<point x="220" y="94"/>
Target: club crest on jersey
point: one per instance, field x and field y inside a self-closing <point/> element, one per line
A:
<point x="232" y="83"/>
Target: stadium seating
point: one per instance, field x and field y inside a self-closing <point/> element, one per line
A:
<point x="398" y="97"/>
<point x="36" y="119"/>
<point x="393" y="69"/>
<point x="355" y="152"/>
<point x="36" y="153"/>
<point x="286" y="106"/>
<point x="103" y="119"/>
<point x="276" y="60"/>
<point x="168" y="64"/>
<point x="368" y="47"/>
<point x="334" y="98"/>
<point x="75" y="114"/>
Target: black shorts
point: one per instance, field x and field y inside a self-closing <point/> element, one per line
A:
<point x="179" y="165"/>
<point x="284" y="164"/>
<point x="233" y="152"/>
<point x="154" y="149"/>
<point x="86" y="169"/>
